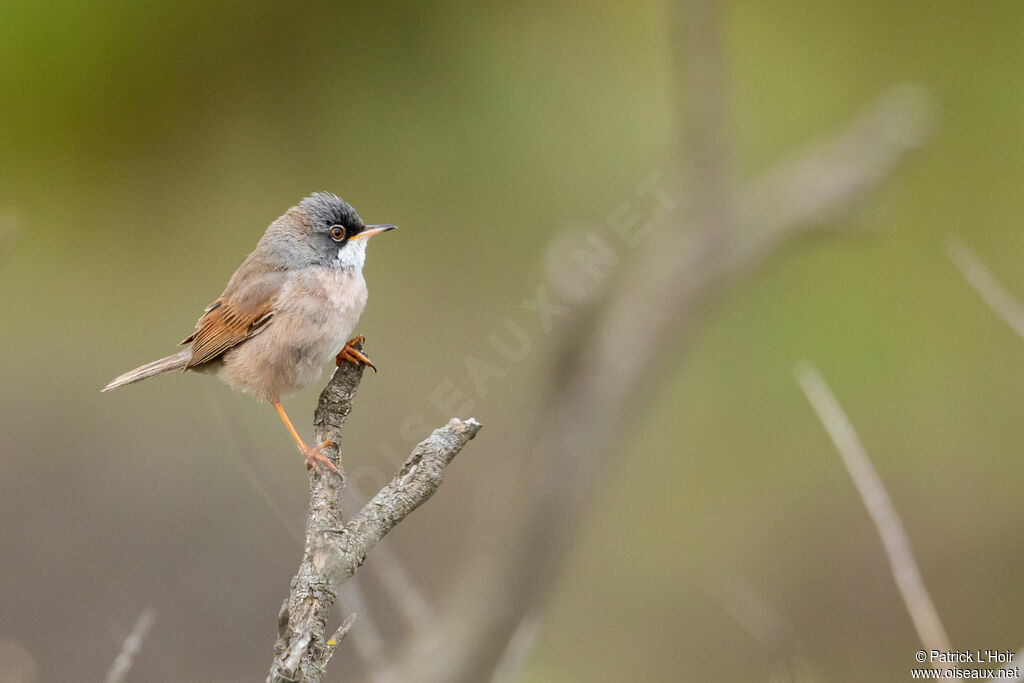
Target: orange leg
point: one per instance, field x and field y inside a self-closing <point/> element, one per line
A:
<point x="313" y="456"/>
<point x="351" y="354"/>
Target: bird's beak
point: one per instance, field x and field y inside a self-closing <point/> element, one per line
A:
<point x="370" y="231"/>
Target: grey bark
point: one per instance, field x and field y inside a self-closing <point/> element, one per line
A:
<point x="334" y="549"/>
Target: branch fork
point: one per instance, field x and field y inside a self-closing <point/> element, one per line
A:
<point x="335" y="549"/>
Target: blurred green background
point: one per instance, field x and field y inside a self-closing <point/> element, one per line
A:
<point x="145" y="146"/>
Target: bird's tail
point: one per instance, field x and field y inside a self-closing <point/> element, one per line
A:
<point x="158" y="367"/>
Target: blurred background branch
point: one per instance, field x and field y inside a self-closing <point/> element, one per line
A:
<point x="592" y="406"/>
<point x="122" y="664"/>
<point x="980" y="277"/>
<point x="883" y="513"/>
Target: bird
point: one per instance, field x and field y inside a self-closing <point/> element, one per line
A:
<point x="283" y="314"/>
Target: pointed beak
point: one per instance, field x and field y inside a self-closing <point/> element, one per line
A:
<point x="372" y="230"/>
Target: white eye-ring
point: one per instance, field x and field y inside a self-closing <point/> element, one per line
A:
<point x="337" y="233"/>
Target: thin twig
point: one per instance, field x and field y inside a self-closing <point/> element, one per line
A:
<point x="413" y="484"/>
<point x="339" y="635"/>
<point x="130" y="647"/>
<point x="1002" y="303"/>
<point x="894" y="536"/>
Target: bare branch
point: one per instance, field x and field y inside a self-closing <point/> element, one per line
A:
<point x="883" y="513"/>
<point x="126" y="657"/>
<point x="335" y="550"/>
<point x="1002" y="303"/>
<point x="414" y="483"/>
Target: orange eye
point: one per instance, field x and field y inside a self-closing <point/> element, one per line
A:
<point x="337" y="233"/>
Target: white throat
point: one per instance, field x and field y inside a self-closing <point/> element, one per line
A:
<point x="352" y="255"/>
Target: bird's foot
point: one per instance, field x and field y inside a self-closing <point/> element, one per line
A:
<point x="350" y="354"/>
<point x="316" y="459"/>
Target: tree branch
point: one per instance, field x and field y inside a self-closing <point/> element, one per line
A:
<point x="335" y="550"/>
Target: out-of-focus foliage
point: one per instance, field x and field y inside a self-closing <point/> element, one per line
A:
<point x="145" y="146"/>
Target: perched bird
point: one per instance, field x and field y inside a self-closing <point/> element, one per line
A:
<point x="284" y="313"/>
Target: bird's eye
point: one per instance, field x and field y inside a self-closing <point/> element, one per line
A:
<point x="337" y="233"/>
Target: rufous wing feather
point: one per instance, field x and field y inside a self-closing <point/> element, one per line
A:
<point x="244" y="309"/>
<point x="225" y="324"/>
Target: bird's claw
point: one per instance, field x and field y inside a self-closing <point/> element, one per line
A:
<point x="350" y="354"/>
<point x="315" y="459"/>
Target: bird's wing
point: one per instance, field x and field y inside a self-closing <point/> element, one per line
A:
<point x="243" y="310"/>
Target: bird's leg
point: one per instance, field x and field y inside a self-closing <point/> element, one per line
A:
<point x="353" y="355"/>
<point x="313" y="456"/>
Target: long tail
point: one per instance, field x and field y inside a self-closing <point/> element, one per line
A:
<point x="158" y="367"/>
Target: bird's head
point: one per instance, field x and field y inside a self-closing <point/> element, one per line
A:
<point x="322" y="230"/>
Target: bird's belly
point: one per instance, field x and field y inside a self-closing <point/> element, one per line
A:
<point x="304" y="335"/>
